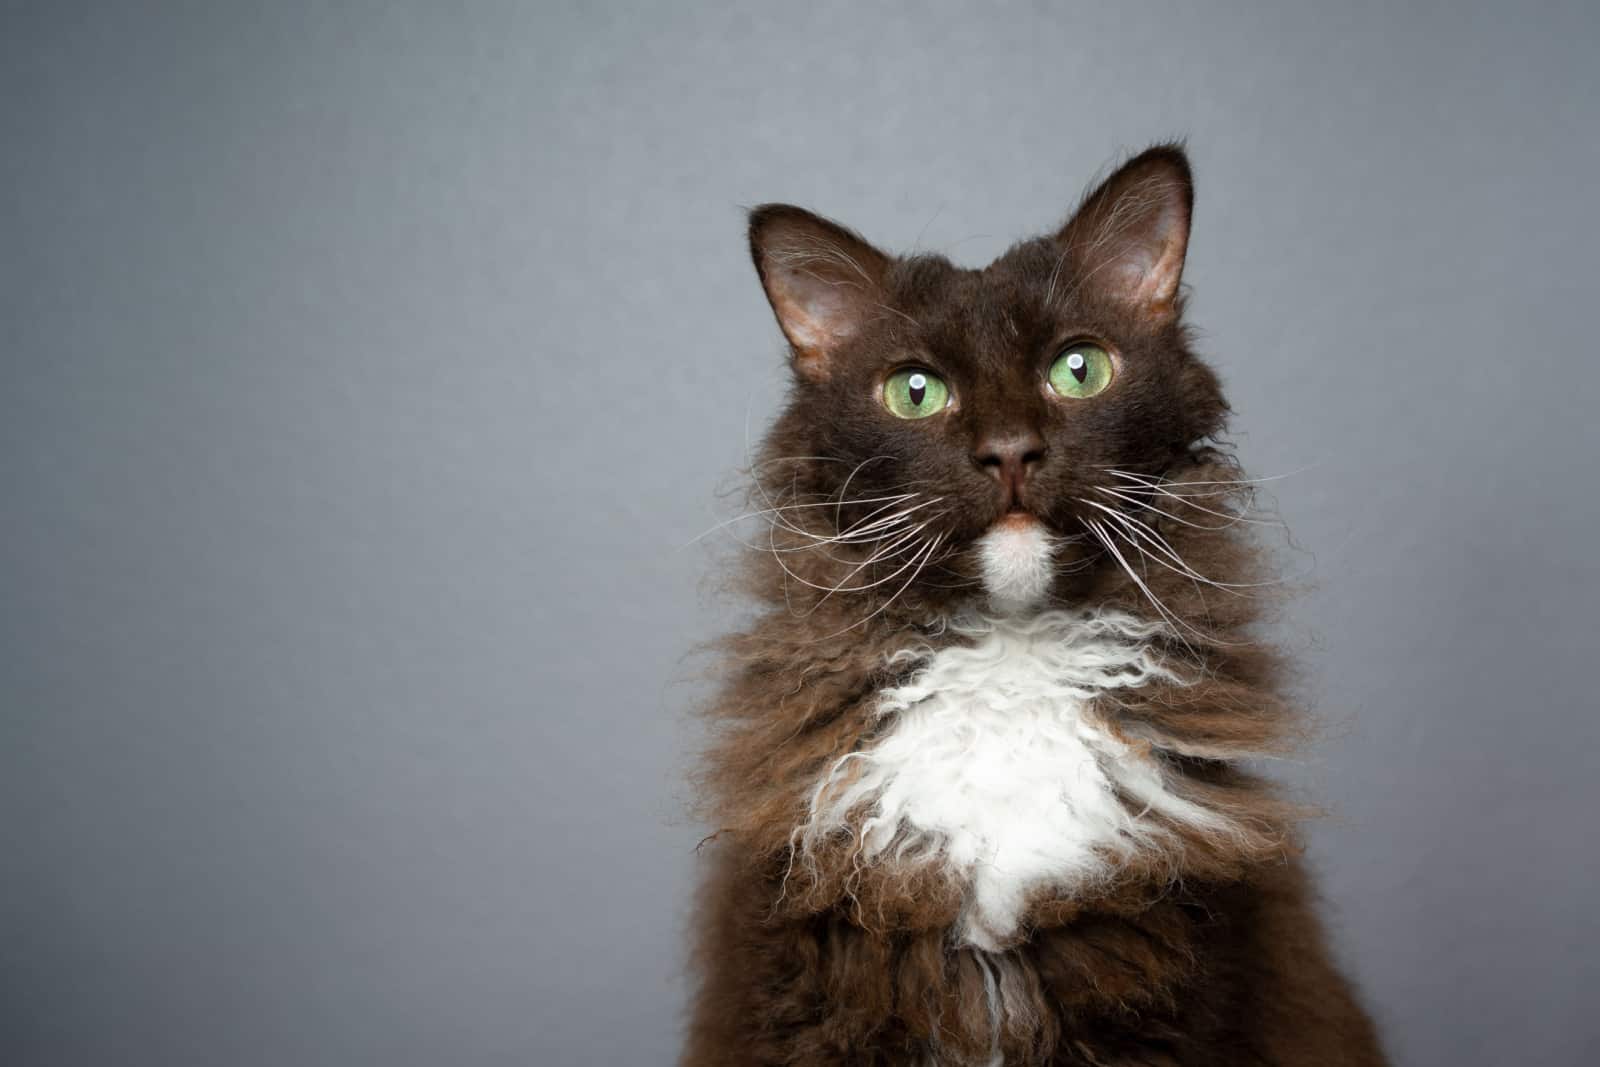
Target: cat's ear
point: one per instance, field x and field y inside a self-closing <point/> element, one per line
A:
<point x="1129" y="237"/>
<point x="824" y="282"/>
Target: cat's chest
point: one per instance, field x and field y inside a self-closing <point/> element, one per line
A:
<point x="995" y="765"/>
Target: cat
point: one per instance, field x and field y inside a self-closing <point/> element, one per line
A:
<point x="981" y="763"/>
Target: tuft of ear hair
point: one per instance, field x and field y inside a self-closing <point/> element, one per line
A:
<point x="823" y="281"/>
<point x="1129" y="236"/>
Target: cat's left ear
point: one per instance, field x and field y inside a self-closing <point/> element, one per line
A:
<point x="824" y="283"/>
<point x="1129" y="238"/>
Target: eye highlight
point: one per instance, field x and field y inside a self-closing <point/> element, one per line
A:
<point x="1081" y="370"/>
<point x="915" y="394"/>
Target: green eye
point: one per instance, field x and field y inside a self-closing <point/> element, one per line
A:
<point x="1081" y="371"/>
<point x="915" y="394"/>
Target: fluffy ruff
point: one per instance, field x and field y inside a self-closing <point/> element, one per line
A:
<point x="847" y="896"/>
<point x="973" y="806"/>
<point x="996" y="769"/>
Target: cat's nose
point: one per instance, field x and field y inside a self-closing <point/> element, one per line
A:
<point x="1009" y="456"/>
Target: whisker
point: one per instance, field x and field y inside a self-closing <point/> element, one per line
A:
<point x="1166" y="613"/>
<point x="845" y="488"/>
<point x="1145" y="532"/>
<point x="1154" y="480"/>
<point x="1182" y="569"/>
<point x="1137" y="527"/>
<point x="821" y="545"/>
<point x="884" y="553"/>
<point x="1188" y="499"/>
<point x="898" y="516"/>
<point x="1146" y="505"/>
<point x="880" y="530"/>
<point x="927" y="554"/>
<point x="778" y="556"/>
<point x="760" y="512"/>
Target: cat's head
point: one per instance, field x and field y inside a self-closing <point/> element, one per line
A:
<point x="956" y="428"/>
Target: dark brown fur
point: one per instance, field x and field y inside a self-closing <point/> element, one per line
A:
<point x="1207" y="952"/>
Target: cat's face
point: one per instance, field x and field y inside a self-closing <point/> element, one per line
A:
<point x="995" y="401"/>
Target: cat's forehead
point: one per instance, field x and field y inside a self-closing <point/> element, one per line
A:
<point x="992" y="307"/>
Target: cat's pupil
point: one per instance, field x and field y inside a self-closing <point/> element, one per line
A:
<point x="1078" y="366"/>
<point x="916" y="388"/>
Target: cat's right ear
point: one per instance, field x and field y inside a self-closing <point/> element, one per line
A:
<point x="824" y="283"/>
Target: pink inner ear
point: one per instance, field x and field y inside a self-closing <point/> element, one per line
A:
<point x="820" y="305"/>
<point x="1131" y="234"/>
<point x="1144" y="264"/>
<point x="1159" y="271"/>
<point x="815" y="316"/>
<point x="821" y="279"/>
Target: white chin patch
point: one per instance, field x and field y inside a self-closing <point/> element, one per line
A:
<point x="1018" y="561"/>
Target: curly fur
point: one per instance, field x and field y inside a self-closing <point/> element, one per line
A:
<point x="996" y="767"/>
<point x="964" y="827"/>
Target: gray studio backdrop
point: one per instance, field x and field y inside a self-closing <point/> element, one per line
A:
<point x="366" y="372"/>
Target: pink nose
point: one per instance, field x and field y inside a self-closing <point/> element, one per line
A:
<point x="1009" y="457"/>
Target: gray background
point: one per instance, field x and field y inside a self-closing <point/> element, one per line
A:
<point x="365" y="374"/>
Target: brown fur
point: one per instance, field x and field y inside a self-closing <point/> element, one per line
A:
<point x="1205" y="952"/>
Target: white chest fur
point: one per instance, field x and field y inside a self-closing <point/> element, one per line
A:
<point x="994" y="766"/>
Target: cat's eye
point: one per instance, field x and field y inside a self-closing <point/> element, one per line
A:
<point x="1081" y="370"/>
<point x="915" y="394"/>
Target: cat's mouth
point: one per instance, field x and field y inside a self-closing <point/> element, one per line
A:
<point x="1019" y="513"/>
